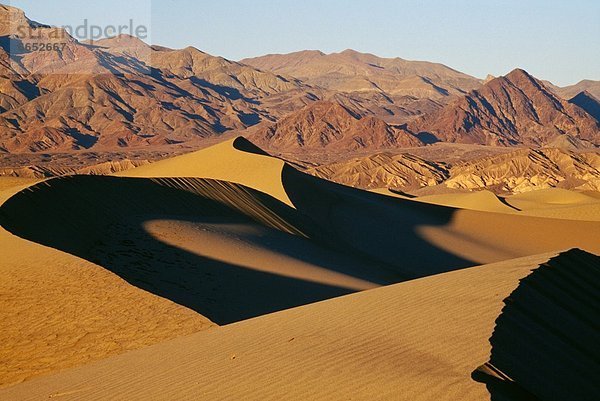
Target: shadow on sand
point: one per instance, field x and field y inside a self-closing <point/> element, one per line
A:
<point x="545" y="343"/>
<point x="379" y="227"/>
<point x="101" y="219"/>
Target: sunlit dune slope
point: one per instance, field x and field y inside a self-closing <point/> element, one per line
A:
<point x="236" y="160"/>
<point x="484" y="200"/>
<point x="558" y="203"/>
<point x="419" y="340"/>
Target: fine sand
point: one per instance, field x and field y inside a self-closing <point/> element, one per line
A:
<point x="419" y="340"/>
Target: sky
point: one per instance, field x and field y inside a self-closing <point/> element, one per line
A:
<point x="554" y="40"/>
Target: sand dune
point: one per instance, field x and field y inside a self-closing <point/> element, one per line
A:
<point x="261" y="238"/>
<point x="236" y="160"/>
<point x="551" y="197"/>
<point x="419" y="340"/>
<point x="120" y="236"/>
<point x="419" y="239"/>
<point x="558" y="203"/>
<point x="553" y="203"/>
<point x="67" y="308"/>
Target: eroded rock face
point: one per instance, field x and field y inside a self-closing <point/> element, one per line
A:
<point x="384" y="170"/>
<point x="516" y="109"/>
<point x="514" y="172"/>
<point x="525" y="170"/>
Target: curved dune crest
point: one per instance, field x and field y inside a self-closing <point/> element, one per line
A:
<point x="419" y="340"/>
<point x="236" y="160"/>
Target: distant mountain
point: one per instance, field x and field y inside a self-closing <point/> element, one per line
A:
<point x="329" y="125"/>
<point x="122" y="93"/>
<point x="587" y="102"/>
<point x="516" y="109"/>
<point x="351" y="71"/>
<point x="587" y="85"/>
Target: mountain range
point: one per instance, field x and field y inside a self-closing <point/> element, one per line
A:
<point x="121" y="93"/>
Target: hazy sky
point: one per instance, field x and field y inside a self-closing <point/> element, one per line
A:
<point x="554" y="40"/>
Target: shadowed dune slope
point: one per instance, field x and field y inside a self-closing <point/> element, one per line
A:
<point x="420" y="239"/>
<point x="116" y="223"/>
<point x="58" y="311"/>
<point x="418" y="340"/>
<point x="546" y="338"/>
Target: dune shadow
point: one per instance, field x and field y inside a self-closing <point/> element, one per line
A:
<point x="101" y="219"/>
<point x="379" y="227"/>
<point x="545" y="342"/>
<point x="221" y="291"/>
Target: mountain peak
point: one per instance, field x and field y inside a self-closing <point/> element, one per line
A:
<point x="519" y="75"/>
<point x="516" y="109"/>
<point x="12" y="16"/>
<point x="122" y="40"/>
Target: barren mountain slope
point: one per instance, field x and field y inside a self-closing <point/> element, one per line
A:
<point x="351" y="71"/>
<point x="513" y="110"/>
<point x="329" y="125"/>
<point x="122" y="93"/>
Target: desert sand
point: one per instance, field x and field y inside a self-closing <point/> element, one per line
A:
<point x="418" y="340"/>
<point x="97" y="267"/>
